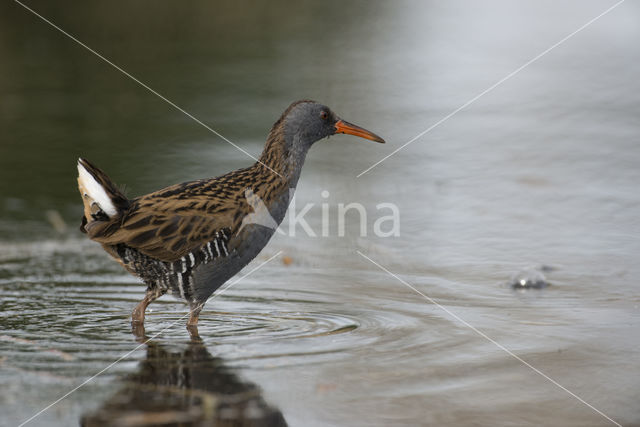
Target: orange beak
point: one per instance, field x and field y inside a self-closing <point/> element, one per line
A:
<point x="351" y="129"/>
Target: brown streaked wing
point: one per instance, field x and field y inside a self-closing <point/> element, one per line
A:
<point x="169" y="227"/>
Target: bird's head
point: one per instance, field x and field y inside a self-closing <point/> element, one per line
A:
<point x="306" y="122"/>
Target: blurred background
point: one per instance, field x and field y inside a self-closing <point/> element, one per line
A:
<point x="540" y="174"/>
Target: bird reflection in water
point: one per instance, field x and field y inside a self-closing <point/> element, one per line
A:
<point x="184" y="388"/>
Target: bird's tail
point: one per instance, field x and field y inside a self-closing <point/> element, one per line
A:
<point x="102" y="200"/>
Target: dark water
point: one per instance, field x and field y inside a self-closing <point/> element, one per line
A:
<point x="541" y="171"/>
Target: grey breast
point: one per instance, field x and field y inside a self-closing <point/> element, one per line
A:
<point x="247" y="244"/>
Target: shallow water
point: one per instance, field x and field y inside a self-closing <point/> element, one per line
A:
<point x="541" y="171"/>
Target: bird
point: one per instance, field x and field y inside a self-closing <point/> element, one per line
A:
<point x="188" y="239"/>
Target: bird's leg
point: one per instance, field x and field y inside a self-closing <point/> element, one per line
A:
<point x="196" y="308"/>
<point x="137" y="329"/>
<point x="193" y="333"/>
<point x="138" y="313"/>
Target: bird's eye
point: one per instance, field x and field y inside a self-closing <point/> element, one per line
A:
<point x="324" y="115"/>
